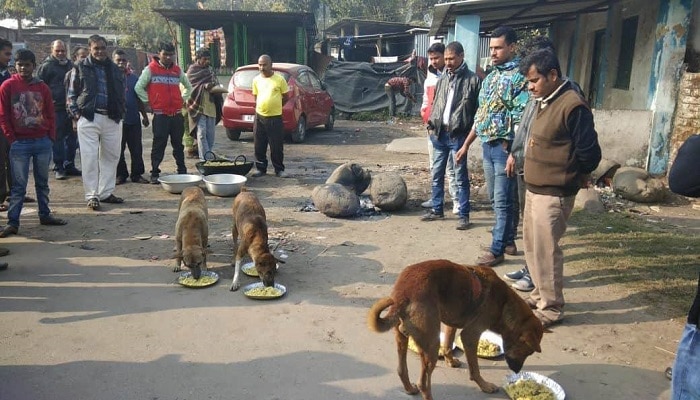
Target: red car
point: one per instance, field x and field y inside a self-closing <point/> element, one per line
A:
<point x="309" y="104"/>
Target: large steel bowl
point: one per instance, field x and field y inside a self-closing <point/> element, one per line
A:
<point x="224" y="185"/>
<point x="177" y="183"/>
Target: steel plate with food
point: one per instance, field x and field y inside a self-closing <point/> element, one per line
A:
<point x="532" y="386"/>
<point x="249" y="269"/>
<point x="259" y="291"/>
<point x="490" y="344"/>
<point x="207" y="278"/>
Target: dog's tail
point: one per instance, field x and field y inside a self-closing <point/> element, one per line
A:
<point x="378" y="323"/>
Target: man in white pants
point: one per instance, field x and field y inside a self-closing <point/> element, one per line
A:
<point x="96" y="102"/>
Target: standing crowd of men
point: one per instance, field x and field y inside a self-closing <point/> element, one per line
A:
<point x="539" y="146"/>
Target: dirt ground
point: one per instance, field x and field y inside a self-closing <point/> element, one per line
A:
<point x="88" y="311"/>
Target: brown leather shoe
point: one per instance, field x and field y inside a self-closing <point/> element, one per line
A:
<point x="489" y="259"/>
<point x="511" y="250"/>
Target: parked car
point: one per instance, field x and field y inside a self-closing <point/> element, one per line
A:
<point x="309" y="104"/>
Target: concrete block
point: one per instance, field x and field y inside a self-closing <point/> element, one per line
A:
<point x="352" y="176"/>
<point x="637" y="185"/>
<point x="589" y="201"/>
<point x="388" y="191"/>
<point x="335" y="200"/>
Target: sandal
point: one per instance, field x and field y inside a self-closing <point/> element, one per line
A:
<point x="51" y="220"/>
<point x="93" y="204"/>
<point x="112" y="199"/>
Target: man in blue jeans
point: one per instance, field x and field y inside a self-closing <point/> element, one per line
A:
<point x="53" y="72"/>
<point x="451" y="118"/>
<point x="501" y="103"/>
<point x="27" y="121"/>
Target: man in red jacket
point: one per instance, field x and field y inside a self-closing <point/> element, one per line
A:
<point x="27" y="120"/>
<point x="158" y="87"/>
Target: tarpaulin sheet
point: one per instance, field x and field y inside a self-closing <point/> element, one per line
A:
<point x="359" y="86"/>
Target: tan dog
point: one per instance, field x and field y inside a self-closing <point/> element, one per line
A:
<point x="192" y="232"/>
<point x="471" y="298"/>
<point x="250" y="223"/>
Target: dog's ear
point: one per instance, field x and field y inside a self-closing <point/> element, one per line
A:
<point x="529" y="339"/>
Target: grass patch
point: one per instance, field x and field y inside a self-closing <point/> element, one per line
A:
<point x="655" y="263"/>
<point x="369" y="116"/>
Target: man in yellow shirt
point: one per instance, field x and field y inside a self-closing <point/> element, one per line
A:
<point x="271" y="92"/>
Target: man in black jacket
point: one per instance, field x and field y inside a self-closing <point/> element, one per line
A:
<point x="684" y="179"/>
<point x="53" y="71"/>
<point x="96" y="102"/>
<point x="450" y="121"/>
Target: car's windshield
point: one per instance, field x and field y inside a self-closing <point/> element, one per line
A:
<point x="244" y="79"/>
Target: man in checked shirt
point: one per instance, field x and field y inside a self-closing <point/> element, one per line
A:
<point x="403" y="86"/>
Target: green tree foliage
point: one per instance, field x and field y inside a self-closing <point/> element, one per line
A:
<point x="16" y="9"/>
<point x="66" y="12"/>
<point x="142" y="28"/>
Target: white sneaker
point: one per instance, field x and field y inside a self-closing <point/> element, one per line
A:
<point x="455" y="208"/>
<point x="427" y="204"/>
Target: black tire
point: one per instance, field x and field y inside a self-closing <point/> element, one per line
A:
<point x="331" y="121"/>
<point x="233" y="134"/>
<point x="299" y="133"/>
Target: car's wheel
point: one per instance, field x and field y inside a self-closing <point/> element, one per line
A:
<point x="299" y="134"/>
<point x="233" y="134"/>
<point x="330" y="121"/>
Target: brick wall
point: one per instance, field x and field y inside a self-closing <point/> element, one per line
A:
<point x="687" y="118"/>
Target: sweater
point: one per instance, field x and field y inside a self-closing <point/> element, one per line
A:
<point x="563" y="145"/>
<point x="160" y="88"/>
<point x="26" y="110"/>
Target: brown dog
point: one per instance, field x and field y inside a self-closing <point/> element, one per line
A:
<point x="192" y="232"/>
<point x="471" y="298"/>
<point x="250" y="223"/>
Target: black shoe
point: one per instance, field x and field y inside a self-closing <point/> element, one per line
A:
<point x="432" y="216"/>
<point x="8" y="231"/>
<point x="463" y="224"/>
<point x="112" y="199"/>
<point x="120" y="180"/>
<point x="51" y="220"/>
<point x="154" y="180"/>
<point x="3" y="266"/>
<point x="139" y="179"/>
<point x="258" y="174"/>
<point x="61" y="175"/>
<point x="72" y="171"/>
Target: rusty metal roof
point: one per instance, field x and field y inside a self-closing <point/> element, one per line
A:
<point x="514" y="13"/>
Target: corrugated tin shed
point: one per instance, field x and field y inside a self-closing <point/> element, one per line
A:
<point x="514" y="13"/>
